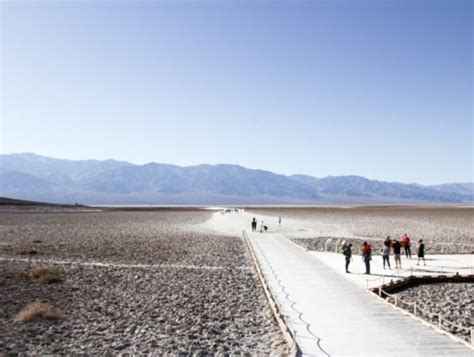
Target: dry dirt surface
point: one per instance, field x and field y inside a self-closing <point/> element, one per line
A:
<point x="166" y="287"/>
<point x="434" y="224"/>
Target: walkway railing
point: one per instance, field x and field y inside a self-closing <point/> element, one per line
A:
<point x="405" y="273"/>
<point x="415" y="310"/>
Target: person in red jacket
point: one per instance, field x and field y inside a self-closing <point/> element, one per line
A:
<point x="406" y="245"/>
<point x="367" y="256"/>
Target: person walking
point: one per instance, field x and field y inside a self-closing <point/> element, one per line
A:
<point x="406" y="245"/>
<point x="397" y="247"/>
<point x="279" y="219"/>
<point x="254" y="224"/>
<point x="386" y="254"/>
<point x="421" y="252"/>
<point x="367" y="256"/>
<point x="348" y="254"/>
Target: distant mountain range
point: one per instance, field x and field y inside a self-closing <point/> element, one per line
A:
<point x="34" y="177"/>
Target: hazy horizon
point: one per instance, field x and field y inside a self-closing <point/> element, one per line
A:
<point x="381" y="90"/>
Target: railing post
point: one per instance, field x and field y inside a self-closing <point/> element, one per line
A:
<point x="414" y="308"/>
<point x="380" y="291"/>
<point x="396" y="300"/>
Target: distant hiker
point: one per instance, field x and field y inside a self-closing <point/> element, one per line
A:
<point x="265" y="228"/>
<point x="421" y="252"/>
<point x="386" y="253"/>
<point x="367" y="256"/>
<point x="397" y="247"/>
<point x="279" y="219"/>
<point x="254" y="224"/>
<point x="347" y="251"/>
<point x="406" y="245"/>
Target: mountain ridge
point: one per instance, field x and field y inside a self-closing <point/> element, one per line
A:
<point x="34" y="177"/>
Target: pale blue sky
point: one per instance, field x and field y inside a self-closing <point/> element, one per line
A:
<point x="382" y="89"/>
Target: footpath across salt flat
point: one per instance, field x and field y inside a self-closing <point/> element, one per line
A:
<point x="329" y="313"/>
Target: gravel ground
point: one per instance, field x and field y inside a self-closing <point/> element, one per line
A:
<point x="122" y="236"/>
<point x="213" y="305"/>
<point x="453" y="300"/>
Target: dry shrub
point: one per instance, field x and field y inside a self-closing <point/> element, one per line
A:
<point x="39" y="311"/>
<point x="46" y="274"/>
<point x="27" y="251"/>
<point x="36" y="241"/>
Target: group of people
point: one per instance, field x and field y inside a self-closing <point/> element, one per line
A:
<point x="385" y="251"/>
<point x="230" y="210"/>
<point x="263" y="227"/>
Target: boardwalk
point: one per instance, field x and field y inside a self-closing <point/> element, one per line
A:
<point x="333" y="316"/>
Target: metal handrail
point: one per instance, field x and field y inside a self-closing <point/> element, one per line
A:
<point x="416" y="309"/>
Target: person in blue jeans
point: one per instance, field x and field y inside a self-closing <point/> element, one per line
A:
<point x="367" y="256"/>
<point x="386" y="255"/>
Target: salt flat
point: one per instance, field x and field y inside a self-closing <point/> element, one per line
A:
<point x="170" y="280"/>
<point x="440" y="224"/>
<point x="131" y="282"/>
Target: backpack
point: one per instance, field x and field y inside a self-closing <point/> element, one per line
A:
<point x="345" y="250"/>
<point x="342" y="249"/>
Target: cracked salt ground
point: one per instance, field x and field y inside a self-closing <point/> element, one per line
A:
<point x="157" y="284"/>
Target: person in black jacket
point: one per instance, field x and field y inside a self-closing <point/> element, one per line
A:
<point x="397" y="248"/>
<point x="421" y="252"/>
<point x="347" y="251"/>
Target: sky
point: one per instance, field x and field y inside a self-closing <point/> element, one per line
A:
<point x="381" y="89"/>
